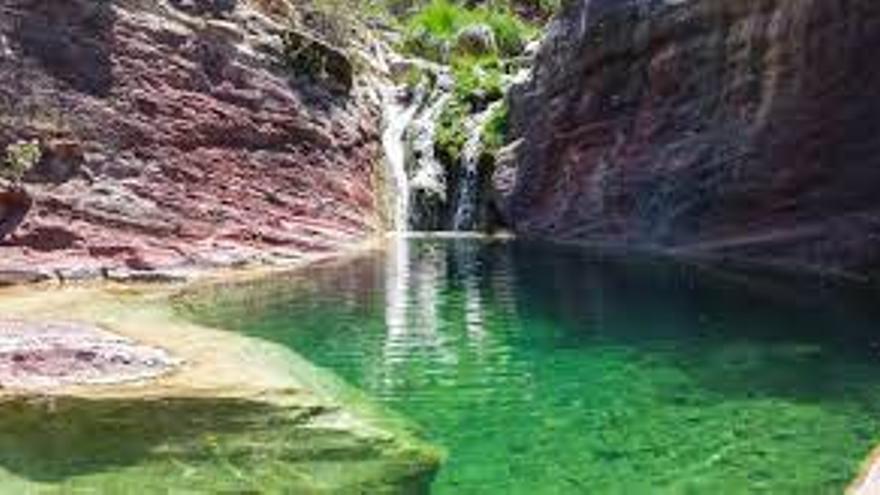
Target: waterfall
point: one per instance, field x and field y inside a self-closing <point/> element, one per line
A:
<point x="428" y="182"/>
<point x="419" y="182"/>
<point x="467" y="203"/>
<point x="399" y="109"/>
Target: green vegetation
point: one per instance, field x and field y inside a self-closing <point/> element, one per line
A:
<point x="478" y="82"/>
<point x="495" y="130"/>
<point x="478" y="79"/>
<point x="451" y="136"/>
<point x="434" y="32"/>
<point x="431" y="32"/>
<point x="20" y="157"/>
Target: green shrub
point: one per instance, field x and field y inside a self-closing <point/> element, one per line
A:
<point x="430" y="31"/>
<point x="511" y="33"/>
<point x="451" y="137"/>
<point x="495" y="130"/>
<point x="478" y="80"/>
<point x="441" y="19"/>
<point x="20" y="157"/>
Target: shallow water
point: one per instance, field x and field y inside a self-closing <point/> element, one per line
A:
<point x="231" y="419"/>
<point x="547" y="370"/>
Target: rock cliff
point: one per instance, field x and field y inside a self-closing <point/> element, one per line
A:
<point x="175" y="133"/>
<point x="741" y="130"/>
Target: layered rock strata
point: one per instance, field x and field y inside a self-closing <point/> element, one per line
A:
<point x="746" y="131"/>
<point x="177" y="134"/>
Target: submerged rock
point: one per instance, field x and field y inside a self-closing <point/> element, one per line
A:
<point x="725" y="128"/>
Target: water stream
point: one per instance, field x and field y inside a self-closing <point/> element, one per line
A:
<point x="428" y="176"/>
<point x="398" y="114"/>
<point x="467" y="205"/>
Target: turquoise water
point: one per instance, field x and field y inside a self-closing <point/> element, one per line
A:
<point x="552" y="370"/>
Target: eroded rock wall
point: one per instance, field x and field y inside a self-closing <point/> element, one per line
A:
<point x="746" y="130"/>
<point x="175" y="135"/>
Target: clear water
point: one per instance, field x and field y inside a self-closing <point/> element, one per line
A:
<point x="551" y="370"/>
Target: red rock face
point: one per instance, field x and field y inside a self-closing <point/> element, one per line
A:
<point x="175" y="140"/>
<point x="748" y="130"/>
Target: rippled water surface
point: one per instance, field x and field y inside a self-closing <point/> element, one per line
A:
<point x="550" y="370"/>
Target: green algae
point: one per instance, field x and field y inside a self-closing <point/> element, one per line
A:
<point x="548" y="370"/>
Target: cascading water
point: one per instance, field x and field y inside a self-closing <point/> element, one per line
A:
<point x="428" y="183"/>
<point x="421" y="197"/>
<point x="398" y="115"/>
<point x="467" y="203"/>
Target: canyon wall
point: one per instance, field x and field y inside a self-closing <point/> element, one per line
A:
<point x="178" y="133"/>
<point x="740" y="130"/>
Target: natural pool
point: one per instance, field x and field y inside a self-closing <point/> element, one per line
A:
<point x="553" y="370"/>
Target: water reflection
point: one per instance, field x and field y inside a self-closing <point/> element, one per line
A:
<point x="411" y="298"/>
<point x="420" y="274"/>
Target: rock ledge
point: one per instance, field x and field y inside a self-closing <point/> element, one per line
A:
<point x="54" y="354"/>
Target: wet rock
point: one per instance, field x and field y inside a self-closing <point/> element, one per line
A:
<point x="428" y="181"/>
<point x="717" y="128"/>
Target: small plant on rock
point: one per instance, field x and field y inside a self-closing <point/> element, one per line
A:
<point x="20" y="158"/>
<point x="496" y="129"/>
<point x="451" y="136"/>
